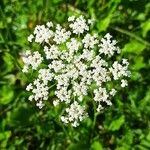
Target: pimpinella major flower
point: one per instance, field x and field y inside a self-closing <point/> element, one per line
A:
<point x="78" y="63"/>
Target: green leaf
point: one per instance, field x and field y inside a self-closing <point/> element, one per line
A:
<point x="145" y="143"/>
<point x="77" y="147"/>
<point x="140" y="147"/>
<point x="96" y="145"/>
<point x="6" y="94"/>
<point x="139" y="64"/>
<point x="19" y="141"/>
<point x="141" y="16"/>
<point x="4" y="136"/>
<point x="103" y="24"/>
<point x="145" y="28"/>
<point x="134" y="47"/>
<point x="21" y="116"/>
<point x="10" y="78"/>
<point x="116" y="124"/>
<point x="90" y="3"/>
<point x="9" y="64"/>
<point x="125" y="147"/>
<point x="148" y="136"/>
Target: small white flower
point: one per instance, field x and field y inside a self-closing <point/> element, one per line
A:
<point x="79" y="25"/>
<point x="31" y="97"/>
<point x="72" y="18"/>
<point x="45" y="75"/>
<point x="61" y="35"/>
<point x="113" y="92"/>
<point x="29" y="87"/>
<point x="108" y="46"/>
<point x="40" y="104"/>
<point x="52" y="52"/>
<point x="73" y="45"/>
<point x="89" y="41"/>
<point x="99" y="108"/>
<point x="30" y="38"/>
<point x="124" y="83"/>
<point x="91" y="21"/>
<point x="25" y="69"/>
<point x="75" y="124"/>
<point x="49" y="24"/>
<point x="125" y="62"/>
<point x="63" y="119"/>
<point x="56" y="102"/>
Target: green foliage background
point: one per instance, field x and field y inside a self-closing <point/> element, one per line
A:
<point x="125" y="126"/>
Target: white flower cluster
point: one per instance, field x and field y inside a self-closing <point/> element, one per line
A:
<point x="75" y="114"/>
<point x="108" y="46"/>
<point x="39" y="92"/>
<point x="41" y="34"/>
<point x="75" y="62"/>
<point x="78" y="25"/>
<point x="32" y="59"/>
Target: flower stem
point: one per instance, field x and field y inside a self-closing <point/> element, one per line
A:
<point x="95" y="115"/>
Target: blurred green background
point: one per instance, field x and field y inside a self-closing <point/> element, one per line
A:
<point x="124" y="126"/>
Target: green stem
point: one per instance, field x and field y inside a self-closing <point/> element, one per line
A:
<point x="95" y="116"/>
<point x="131" y="35"/>
<point x="52" y="86"/>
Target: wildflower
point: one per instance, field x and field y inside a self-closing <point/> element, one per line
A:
<point x="76" y="65"/>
